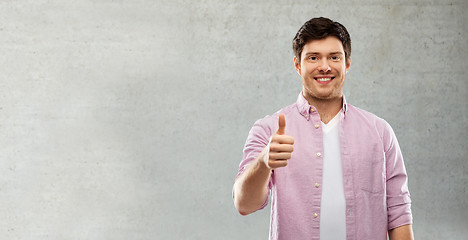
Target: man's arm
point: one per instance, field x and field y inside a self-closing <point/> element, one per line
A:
<point x="251" y="187"/>
<point x="404" y="232"/>
<point x="397" y="192"/>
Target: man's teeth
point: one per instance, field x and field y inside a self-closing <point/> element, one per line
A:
<point x="323" y="79"/>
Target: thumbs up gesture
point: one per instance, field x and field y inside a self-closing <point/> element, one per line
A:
<point x="281" y="146"/>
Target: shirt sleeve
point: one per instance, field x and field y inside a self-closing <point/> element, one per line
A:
<point x="257" y="140"/>
<point x="398" y="196"/>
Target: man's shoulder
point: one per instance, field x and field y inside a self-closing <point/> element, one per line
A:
<point x="362" y="115"/>
<point x="274" y="116"/>
<point x="270" y="122"/>
<point x="361" y="112"/>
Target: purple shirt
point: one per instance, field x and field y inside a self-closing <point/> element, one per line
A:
<point x="374" y="175"/>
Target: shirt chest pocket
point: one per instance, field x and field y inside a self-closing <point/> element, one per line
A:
<point x="369" y="171"/>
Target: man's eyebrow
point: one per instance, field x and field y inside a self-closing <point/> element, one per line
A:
<point x="318" y="53"/>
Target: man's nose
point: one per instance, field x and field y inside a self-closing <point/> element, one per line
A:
<point x="323" y="65"/>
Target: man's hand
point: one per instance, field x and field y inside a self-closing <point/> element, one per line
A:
<point x="251" y="188"/>
<point x="281" y="147"/>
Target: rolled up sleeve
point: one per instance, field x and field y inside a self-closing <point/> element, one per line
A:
<point x="257" y="140"/>
<point x="398" y="196"/>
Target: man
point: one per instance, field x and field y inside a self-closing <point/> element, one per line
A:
<point x="334" y="171"/>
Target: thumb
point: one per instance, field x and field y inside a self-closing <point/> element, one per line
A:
<point x="281" y="124"/>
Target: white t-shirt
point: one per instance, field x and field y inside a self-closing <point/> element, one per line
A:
<point x="333" y="204"/>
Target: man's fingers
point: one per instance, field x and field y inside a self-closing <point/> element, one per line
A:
<point x="277" y="163"/>
<point x="280" y="156"/>
<point x="284" y="139"/>
<point x="281" y="124"/>
<point x="281" y="148"/>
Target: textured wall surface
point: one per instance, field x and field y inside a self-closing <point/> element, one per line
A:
<point x="127" y="119"/>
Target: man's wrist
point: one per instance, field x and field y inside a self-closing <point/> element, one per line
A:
<point x="261" y="163"/>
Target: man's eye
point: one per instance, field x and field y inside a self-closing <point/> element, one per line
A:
<point x="313" y="58"/>
<point x="336" y="58"/>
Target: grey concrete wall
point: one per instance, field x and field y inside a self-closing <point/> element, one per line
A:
<point x="126" y="119"/>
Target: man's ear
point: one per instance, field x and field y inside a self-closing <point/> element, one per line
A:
<point x="297" y="65"/>
<point x="348" y="64"/>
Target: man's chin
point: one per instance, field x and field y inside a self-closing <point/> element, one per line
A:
<point x="326" y="96"/>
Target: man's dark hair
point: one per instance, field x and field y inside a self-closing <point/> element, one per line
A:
<point x="320" y="28"/>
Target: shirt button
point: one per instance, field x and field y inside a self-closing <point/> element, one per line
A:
<point x="317" y="185"/>
<point x="307" y="115"/>
<point x="317" y="126"/>
<point x="319" y="154"/>
<point x="312" y="110"/>
<point x="315" y="215"/>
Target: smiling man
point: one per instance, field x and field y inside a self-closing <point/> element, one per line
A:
<point x="334" y="171"/>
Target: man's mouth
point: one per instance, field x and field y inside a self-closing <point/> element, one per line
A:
<point x="324" y="80"/>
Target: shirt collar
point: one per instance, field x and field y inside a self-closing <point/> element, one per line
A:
<point x="305" y="108"/>
<point x="344" y="108"/>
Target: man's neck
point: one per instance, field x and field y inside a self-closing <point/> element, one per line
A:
<point x="327" y="108"/>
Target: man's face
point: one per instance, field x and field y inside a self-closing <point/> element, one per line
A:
<point x="322" y="69"/>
